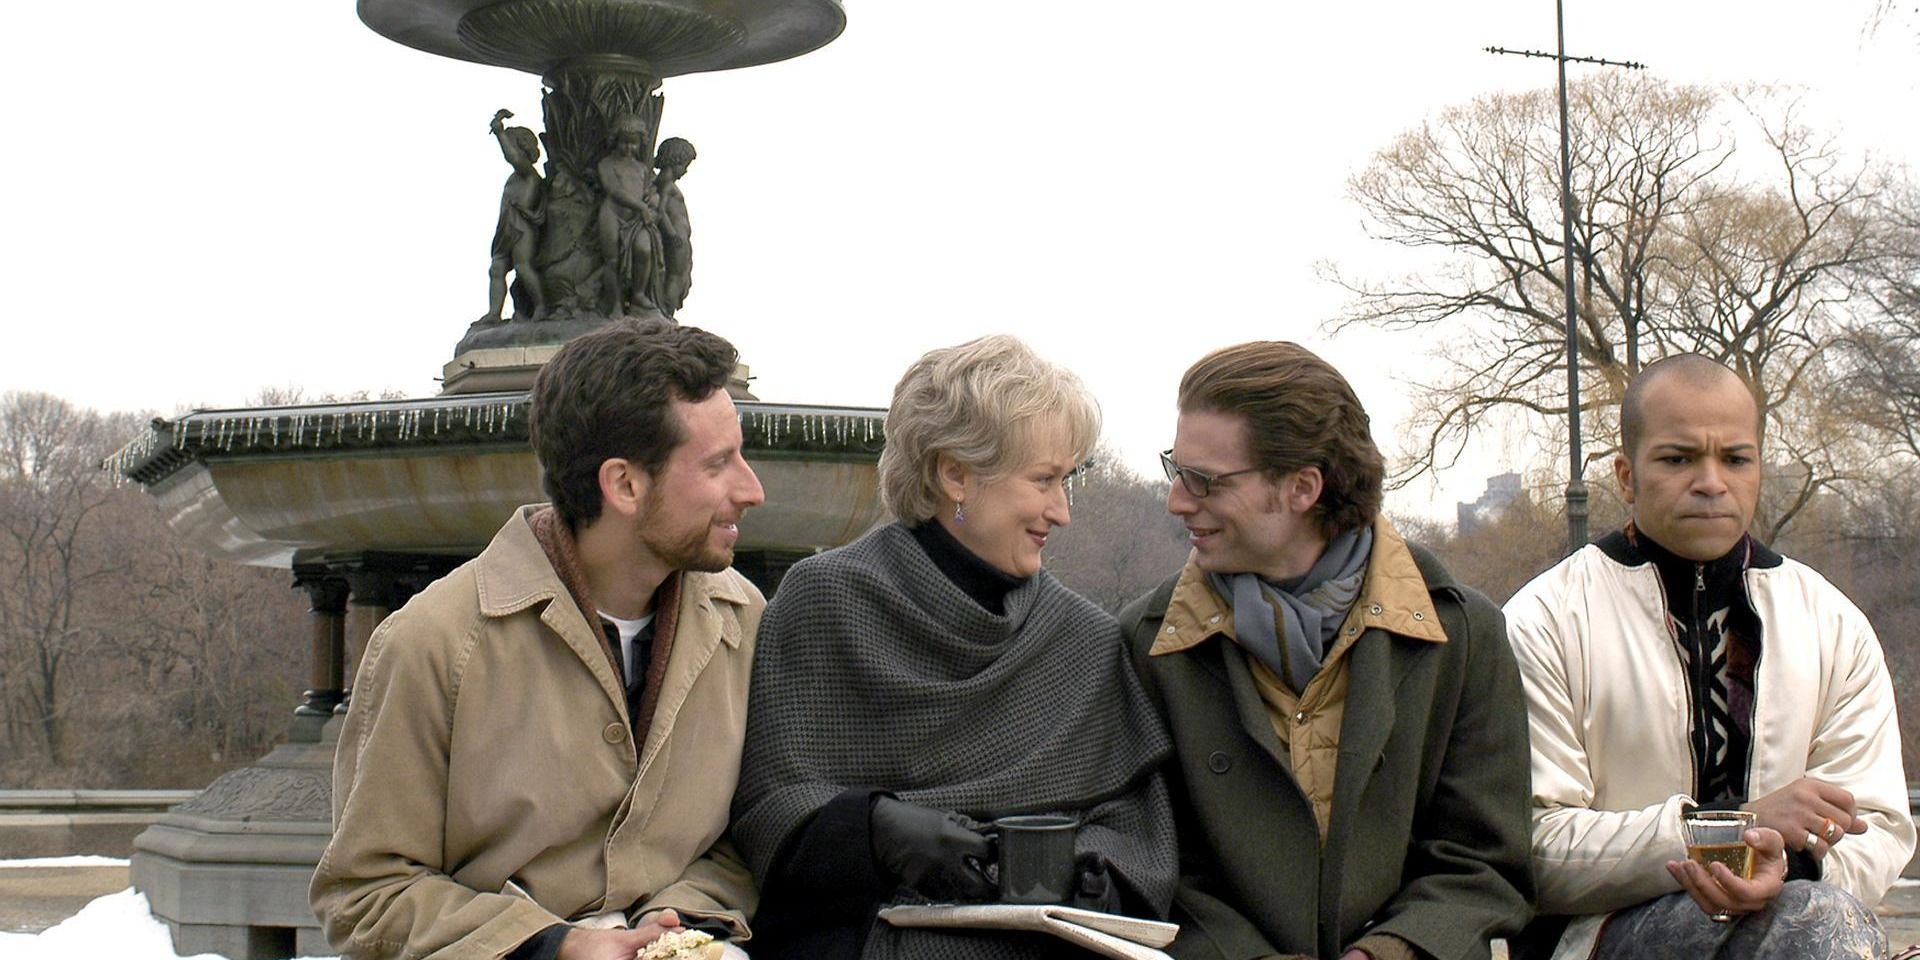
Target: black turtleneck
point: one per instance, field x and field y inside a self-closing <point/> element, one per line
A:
<point x="985" y="583"/>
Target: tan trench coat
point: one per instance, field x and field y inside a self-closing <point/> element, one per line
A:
<point x="488" y="742"/>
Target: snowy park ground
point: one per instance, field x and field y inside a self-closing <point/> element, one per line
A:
<point x="113" y="926"/>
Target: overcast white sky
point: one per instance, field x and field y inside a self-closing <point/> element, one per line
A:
<point x="208" y="198"/>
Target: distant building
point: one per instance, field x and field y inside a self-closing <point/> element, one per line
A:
<point x="1501" y="491"/>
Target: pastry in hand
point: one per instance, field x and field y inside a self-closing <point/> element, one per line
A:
<point x="683" y="945"/>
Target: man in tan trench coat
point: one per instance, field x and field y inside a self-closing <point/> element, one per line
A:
<point x="542" y="745"/>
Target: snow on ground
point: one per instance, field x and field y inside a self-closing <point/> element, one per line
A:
<point x="117" y="926"/>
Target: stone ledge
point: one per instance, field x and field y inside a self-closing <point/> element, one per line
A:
<point x="92" y="800"/>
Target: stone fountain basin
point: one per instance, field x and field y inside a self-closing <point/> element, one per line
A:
<point x="279" y="486"/>
<point x="671" y="37"/>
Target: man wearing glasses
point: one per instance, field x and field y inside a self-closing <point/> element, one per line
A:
<point x="1351" y="778"/>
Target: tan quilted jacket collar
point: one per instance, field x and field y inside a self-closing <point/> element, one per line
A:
<point x="1393" y="597"/>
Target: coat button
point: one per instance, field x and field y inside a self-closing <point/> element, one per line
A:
<point x="1219" y="762"/>
<point x="1374" y="609"/>
<point x="614" y="733"/>
<point x="1417" y="615"/>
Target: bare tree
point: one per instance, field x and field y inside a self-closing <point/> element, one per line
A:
<point x="1894" y="16"/>
<point x="221" y="646"/>
<point x="126" y="658"/>
<point x="1513" y="544"/>
<point x="1684" y="244"/>
<point x="1881" y="352"/>
<point x="51" y="492"/>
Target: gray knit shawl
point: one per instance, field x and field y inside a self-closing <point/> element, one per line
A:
<point x="872" y="669"/>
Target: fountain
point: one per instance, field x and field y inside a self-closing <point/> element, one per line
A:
<point x="368" y="502"/>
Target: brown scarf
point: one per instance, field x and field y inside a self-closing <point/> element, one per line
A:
<point x="558" y="544"/>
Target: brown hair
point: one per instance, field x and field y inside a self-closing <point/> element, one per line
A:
<point x="609" y="395"/>
<point x="1299" y="412"/>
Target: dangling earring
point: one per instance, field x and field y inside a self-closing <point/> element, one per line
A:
<point x="959" y="512"/>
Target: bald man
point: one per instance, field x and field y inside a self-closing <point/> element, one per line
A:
<point x="1680" y="665"/>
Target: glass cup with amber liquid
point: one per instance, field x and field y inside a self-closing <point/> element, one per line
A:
<point x="1717" y="836"/>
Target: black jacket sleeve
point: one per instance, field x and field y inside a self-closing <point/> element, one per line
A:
<point x="544" y="945"/>
<point x="823" y="888"/>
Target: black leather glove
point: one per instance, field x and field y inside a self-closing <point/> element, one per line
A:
<point x="935" y="852"/>
<point x="1094" y="886"/>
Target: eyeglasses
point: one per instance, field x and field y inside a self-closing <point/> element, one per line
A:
<point x="1198" y="484"/>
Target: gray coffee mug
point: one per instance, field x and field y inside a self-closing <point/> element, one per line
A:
<point x="1036" y="857"/>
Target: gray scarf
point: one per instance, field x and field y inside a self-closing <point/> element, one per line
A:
<point x="1313" y="607"/>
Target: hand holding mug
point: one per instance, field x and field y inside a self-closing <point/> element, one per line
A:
<point x="936" y="852"/>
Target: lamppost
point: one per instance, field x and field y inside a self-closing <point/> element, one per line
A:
<point x="1576" y="460"/>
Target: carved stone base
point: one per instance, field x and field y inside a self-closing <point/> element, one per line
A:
<point x="228" y="870"/>
<point x="494" y="369"/>
<point x="504" y="369"/>
<point x="482" y="335"/>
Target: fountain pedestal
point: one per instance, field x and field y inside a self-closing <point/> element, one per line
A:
<point x="228" y="870"/>
<point x="368" y="502"/>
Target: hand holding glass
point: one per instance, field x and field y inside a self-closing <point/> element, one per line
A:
<point x="1718" y="836"/>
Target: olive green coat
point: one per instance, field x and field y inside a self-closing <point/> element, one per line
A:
<point x="1428" y="839"/>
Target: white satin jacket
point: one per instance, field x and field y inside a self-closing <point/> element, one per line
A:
<point x="1607" y="702"/>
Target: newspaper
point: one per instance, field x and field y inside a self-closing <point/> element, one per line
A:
<point x="1107" y="934"/>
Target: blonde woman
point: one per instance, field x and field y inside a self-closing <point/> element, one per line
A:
<point x="931" y="676"/>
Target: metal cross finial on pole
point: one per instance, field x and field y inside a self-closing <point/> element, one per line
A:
<point x="1576" y="482"/>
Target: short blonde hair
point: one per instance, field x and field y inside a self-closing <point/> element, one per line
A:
<point x="984" y="403"/>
